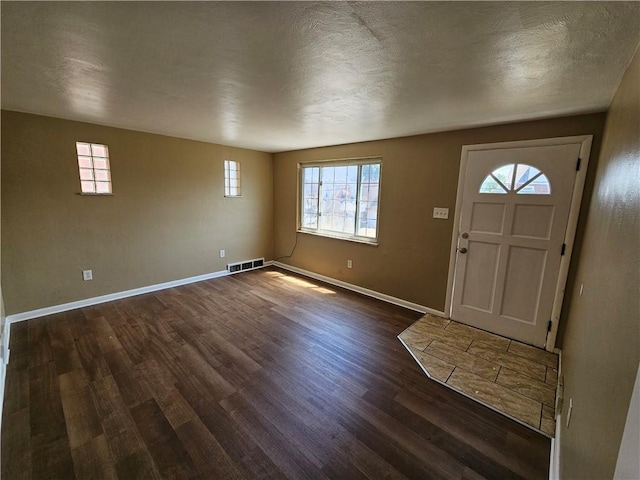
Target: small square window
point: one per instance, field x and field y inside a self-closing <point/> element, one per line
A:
<point x="231" y="178"/>
<point x="93" y="166"/>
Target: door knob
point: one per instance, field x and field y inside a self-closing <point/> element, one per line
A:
<point x="462" y="250"/>
<point x="465" y="235"/>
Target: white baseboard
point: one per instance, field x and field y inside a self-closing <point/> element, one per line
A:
<point x="87" y="302"/>
<point x="364" y="291"/>
<point x="554" y="460"/>
<point x="3" y="364"/>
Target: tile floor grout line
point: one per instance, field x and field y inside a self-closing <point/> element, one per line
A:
<point x="535" y="385"/>
<point x="451" y="374"/>
<point x="498" y="374"/>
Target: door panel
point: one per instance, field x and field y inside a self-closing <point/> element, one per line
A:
<point x="532" y="221"/>
<point x="487" y="217"/>
<point x="513" y="218"/>
<point x="523" y="282"/>
<point x="480" y="276"/>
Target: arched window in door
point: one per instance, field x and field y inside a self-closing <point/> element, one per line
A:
<point x="516" y="177"/>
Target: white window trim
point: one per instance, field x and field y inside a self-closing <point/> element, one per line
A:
<point x="327" y="233"/>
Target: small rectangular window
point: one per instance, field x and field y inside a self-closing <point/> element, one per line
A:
<point x="93" y="166"/>
<point x="231" y="178"/>
<point x="341" y="198"/>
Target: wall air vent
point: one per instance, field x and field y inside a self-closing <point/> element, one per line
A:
<point x="245" y="265"/>
<point x="236" y="267"/>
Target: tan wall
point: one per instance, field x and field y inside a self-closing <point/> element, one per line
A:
<point x="167" y="219"/>
<point x="2" y="313"/>
<point x="421" y="172"/>
<point x="602" y="339"/>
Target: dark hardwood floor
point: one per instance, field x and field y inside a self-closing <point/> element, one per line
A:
<point x="258" y="375"/>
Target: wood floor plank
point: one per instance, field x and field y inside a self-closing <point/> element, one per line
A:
<point x="209" y="457"/>
<point x="262" y="375"/>
<point x="81" y="420"/>
<point x="169" y="455"/>
<point x="280" y="450"/>
<point x="16" y="445"/>
<point x="93" y="460"/>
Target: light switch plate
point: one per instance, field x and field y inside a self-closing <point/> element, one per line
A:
<point x="441" y="213"/>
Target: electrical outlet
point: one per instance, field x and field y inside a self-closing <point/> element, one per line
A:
<point x="87" y="275"/>
<point x="441" y="213"/>
<point x="222" y="253"/>
<point x="349" y="264"/>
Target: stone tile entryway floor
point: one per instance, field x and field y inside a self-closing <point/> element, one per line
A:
<point x="510" y="377"/>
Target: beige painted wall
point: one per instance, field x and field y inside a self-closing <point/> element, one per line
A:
<point x="421" y="172"/>
<point x="2" y="313"/>
<point x="167" y="219"/>
<point x="602" y="339"/>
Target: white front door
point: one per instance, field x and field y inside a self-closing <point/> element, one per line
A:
<point x="512" y="222"/>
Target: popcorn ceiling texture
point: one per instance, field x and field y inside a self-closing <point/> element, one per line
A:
<point x="277" y="76"/>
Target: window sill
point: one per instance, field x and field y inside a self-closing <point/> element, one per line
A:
<point x="373" y="243"/>
<point x="95" y="194"/>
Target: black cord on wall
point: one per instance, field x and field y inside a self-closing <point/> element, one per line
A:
<point x="292" y="251"/>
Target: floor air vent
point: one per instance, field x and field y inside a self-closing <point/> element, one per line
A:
<point x="246" y="265"/>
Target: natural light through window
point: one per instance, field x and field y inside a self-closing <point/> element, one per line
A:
<point x="519" y="178"/>
<point x="341" y="199"/>
<point x="93" y="166"/>
<point x="231" y="178"/>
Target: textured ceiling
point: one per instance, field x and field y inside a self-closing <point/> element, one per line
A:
<point x="279" y="76"/>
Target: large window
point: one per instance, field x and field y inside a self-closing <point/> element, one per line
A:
<point x="341" y="199"/>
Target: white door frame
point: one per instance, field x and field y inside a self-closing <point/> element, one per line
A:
<point x="576" y="201"/>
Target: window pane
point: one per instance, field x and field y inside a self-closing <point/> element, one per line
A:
<point x="366" y="173"/>
<point x="103" y="187"/>
<point x="88" y="187"/>
<point x="83" y="149"/>
<point x="86" y="174"/>
<point x="101" y="163"/>
<point x="103" y="175"/>
<point x="98" y="150"/>
<point x="368" y="204"/>
<point x="504" y="175"/>
<point x="524" y="173"/>
<point x="338" y="199"/>
<point x="491" y="185"/>
<point x="310" y="192"/>
<point x="537" y="186"/>
<point x="85" y="162"/>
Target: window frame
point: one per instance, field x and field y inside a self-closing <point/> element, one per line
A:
<point x="93" y="168"/>
<point x="228" y="180"/>
<point x="359" y="162"/>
